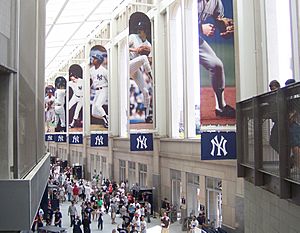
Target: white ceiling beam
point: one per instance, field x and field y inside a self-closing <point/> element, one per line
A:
<point x="75" y="31"/>
<point x="57" y="17"/>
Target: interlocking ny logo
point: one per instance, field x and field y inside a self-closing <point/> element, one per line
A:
<point x="141" y="142"/>
<point x="60" y="138"/>
<point x="50" y="137"/>
<point x="99" y="140"/>
<point x="221" y="146"/>
<point x="75" y="139"/>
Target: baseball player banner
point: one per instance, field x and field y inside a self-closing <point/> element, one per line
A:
<point x="218" y="145"/>
<point x="60" y="138"/>
<point x="75" y="139"/>
<point x="55" y="107"/>
<point x="99" y="89"/>
<point x="140" y="72"/>
<point x="75" y="98"/>
<point x="49" y="109"/>
<point x="99" y="140"/>
<point x="49" y="137"/>
<point x="216" y="58"/>
<point x="141" y="142"/>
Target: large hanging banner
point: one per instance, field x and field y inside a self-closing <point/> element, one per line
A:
<point x="49" y="109"/>
<point x="99" y="89"/>
<point x="140" y="71"/>
<point x="55" y="110"/>
<point x="75" y="98"/>
<point x="216" y="55"/>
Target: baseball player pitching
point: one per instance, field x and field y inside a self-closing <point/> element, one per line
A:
<point x="76" y="83"/>
<point x="208" y="58"/>
<point x="59" y="103"/>
<point x="49" y="108"/>
<point x="99" y="79"/>
<point x="140" y="58"/>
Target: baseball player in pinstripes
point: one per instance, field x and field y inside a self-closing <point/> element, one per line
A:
<point x="60" y="113"/>
<point x="140" y="63"/>
<point x="208" y="58"/>
<point x="99" y="78"/>
<point x="76" y="83"/>
<point x="49" y="108"/>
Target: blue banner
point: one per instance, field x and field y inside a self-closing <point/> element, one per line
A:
<point x="218" y="145"/>
<point x="49" y="137"/>
<point x="141" y="142"/>
<point x="99" y="140"/>
<point x="75" y="138"/>
<point x="60" y="138"/>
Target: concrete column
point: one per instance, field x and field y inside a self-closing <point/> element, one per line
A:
<point x="183" y="193"/>
<point x="156" y="181"/>
<point x="110" y="159"/>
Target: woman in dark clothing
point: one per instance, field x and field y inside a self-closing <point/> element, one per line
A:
<point x="76" y="226"/>
<point x="86" y="224"/>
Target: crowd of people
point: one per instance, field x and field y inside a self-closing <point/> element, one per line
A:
<point x="96" y="198"/>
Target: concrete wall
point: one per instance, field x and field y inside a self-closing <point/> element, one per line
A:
<point x="265" y="212"/>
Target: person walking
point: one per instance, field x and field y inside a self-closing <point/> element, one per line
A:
<point x="72" y="211"/>
<point x="100" y="220"/>
<point x="77" y="224"/>
<point x="86" y="224"/>
<point x="57" y="218"/>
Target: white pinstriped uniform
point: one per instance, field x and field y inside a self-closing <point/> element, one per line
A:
<point x="139" y="63"/>
<point x="100" y="85"/>
<point x="77" y="97"/>
<point x="59" y="102"/>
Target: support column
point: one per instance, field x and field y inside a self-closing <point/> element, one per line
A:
<point x="156" y="178"/>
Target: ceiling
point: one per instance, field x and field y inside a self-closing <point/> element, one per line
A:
<point x="69" y="24"/>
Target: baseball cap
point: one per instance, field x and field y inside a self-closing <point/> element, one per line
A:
<point x="141" y="26"/>
<point x="289" y="81"/>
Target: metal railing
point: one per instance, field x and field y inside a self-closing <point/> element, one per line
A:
<point x="268" y="140"/>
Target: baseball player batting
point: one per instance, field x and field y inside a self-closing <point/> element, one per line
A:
<point x="49" y="109"/>
<point x="208" y="58"/>
<point x="140" y="57"/>
<point x="99" y="79"/>
<point x="59" y="102"/>
<point x="76" y="83"/>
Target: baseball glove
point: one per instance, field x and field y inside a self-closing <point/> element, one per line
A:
<point x="144" y="50"/>
<point x="225" y="26"/>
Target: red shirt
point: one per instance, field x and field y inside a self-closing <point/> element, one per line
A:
<point x="75" y="190"/>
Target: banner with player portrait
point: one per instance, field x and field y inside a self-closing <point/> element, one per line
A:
<point x="75" y="104"/>
<point x="217" y="64"/>
<point x="99" y="81"/>
<point x="140" y="72"/>
<point x="55" y="106"/>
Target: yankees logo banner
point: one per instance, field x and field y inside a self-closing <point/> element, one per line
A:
<point x="99" y="85"/>
<point x="99" y="140"/>
<point x="60" y="138"/>
<point x="141" y="142"/>
<point x="218" y="145"/>
<point x="49" y="137"/>
<point x="75" y="138"/>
